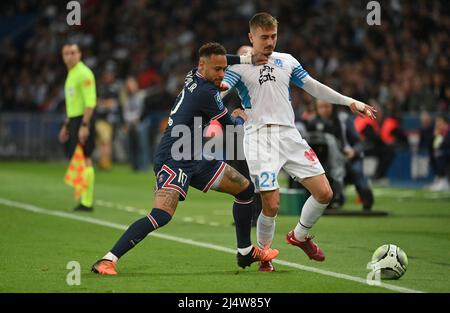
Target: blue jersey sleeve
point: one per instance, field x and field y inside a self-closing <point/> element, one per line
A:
<point x="231" y="78"/>
<point x="213" y="107"/>
<point x="298" y="73"/>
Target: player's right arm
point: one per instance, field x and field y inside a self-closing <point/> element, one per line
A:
<point x="255" y="59"/>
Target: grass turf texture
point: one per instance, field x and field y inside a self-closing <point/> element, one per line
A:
<point x="36" y="247"/>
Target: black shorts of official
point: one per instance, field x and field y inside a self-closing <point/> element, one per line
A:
<point x="71" y="144"/>
<point x="179" y="175"/>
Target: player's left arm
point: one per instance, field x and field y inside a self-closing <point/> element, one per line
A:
<point x="323" y="92"/>
<point x="88" y="92"/>
<point x="301" y="78"/>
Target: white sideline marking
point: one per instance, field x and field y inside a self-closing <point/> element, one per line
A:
<point x="35" y="209"/>
<point x="131" y="209"/>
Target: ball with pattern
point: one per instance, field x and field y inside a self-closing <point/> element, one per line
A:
<point x="390" y="260"/>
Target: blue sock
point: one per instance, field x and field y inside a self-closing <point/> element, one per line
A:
<point x="242" y="214"/>
<point x="139" y="230"/>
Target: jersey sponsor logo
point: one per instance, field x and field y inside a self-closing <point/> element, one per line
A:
<point x="279" y="63"/>
<point x="265" y="74"/>
<point x="219" y="101"/>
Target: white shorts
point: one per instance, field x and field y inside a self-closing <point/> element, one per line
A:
<point x="272" y="148"/>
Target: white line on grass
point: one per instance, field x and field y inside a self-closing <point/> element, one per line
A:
<point x="35" y="209"/>
<point x="197" y="220"/>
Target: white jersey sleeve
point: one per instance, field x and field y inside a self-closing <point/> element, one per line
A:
<point x="265" y="89"/>
<point x="298" y="72"/>
<point x="301" y="78"/>
<point x="231" y="77"/>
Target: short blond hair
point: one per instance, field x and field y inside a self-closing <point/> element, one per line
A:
<point x="263" y="20"/>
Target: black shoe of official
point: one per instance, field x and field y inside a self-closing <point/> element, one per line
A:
<point x="255" y="255"/>
<point x="83" y="208"/>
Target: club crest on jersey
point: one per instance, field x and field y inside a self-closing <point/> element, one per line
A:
<point x="219" y="101"/>
<point x="279" y="63"/>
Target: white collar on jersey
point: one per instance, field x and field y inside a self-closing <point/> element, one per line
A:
<point x="199" y="75"/>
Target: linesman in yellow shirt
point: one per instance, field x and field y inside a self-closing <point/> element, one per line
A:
<point x="80" y="95"/>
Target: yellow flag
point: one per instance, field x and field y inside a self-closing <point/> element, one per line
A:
<point x="75" y="174"/>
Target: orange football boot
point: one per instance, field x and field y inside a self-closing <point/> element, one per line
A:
<point x="104" y="267"/>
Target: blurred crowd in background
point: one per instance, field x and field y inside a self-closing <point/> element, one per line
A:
<point x="402" y="64"/>
<point x="141" y="51"/>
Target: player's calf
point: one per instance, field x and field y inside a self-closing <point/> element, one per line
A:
<point x="139" y="230"/>
<point x="242" y="214"/>
<point x="132" y="236"/>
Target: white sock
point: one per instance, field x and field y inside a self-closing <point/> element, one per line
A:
<point x="111" y="257"/>
<point x="265" y="230"/>
<point x="245" y="251"/>
<point x="311" y="212"/>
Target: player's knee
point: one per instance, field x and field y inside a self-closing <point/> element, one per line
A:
<point x="159" y="217"/>
<point x="247" y="193"/>
<point x="325" y="195"/>
<point x="271" y="205"/>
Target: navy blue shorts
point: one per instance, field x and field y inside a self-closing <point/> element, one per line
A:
<point x="180" y="175"/>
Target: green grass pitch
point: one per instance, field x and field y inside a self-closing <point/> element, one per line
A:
<point x="37" y="245"/>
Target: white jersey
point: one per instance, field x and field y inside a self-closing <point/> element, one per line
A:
<point x="264" y="89"/>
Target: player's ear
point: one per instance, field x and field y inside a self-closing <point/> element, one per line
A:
<point x="201" y="63"/>
<point x="250" y="37"/>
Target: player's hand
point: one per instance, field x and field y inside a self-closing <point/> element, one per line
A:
<point x="83" y="134"/>
<point x="259" y="59"/>
<point x="239" y="112"/>
<point x="363" y="110"/>
<point x="349" y="152"/>
<point x="63" y="135"/>
<point x="223" y="87"/>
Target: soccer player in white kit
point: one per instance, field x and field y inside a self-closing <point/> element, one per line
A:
<point x="271" y="140"/>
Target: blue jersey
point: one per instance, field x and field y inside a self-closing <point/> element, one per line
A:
<point x="198" y="103"/>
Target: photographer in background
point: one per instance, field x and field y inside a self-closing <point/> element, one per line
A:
<point x="341" y="126"/>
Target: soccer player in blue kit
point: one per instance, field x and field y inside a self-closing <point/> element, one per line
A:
<point x="199" y="98"/>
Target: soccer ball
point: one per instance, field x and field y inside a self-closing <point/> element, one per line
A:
<point x="390" y="260"/>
